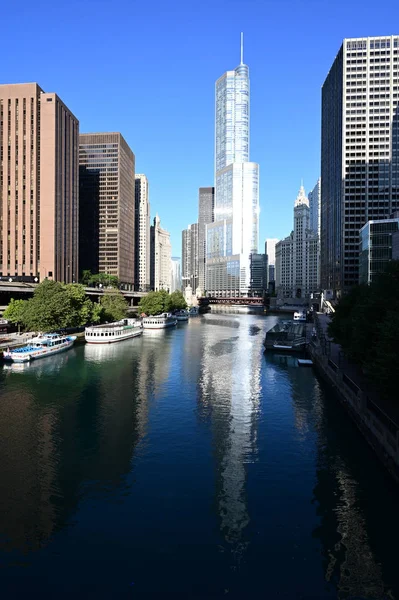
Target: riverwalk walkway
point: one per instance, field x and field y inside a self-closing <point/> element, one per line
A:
<point x="352" y="372"/>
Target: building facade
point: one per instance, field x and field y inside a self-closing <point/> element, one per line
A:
<point x="109" y="158"/>
<point x="297" y="255"/>
<point x="142" y="233"/>
<point x="377" y="247"/>
<point x="190" y="257"/>
<point x="234" y="234"/>
<point x="258" y="265"/>
<point x="206" y="215"/>
<point x="314" y="206"/>
<point x="270" y="251"/>
<point x="176" y="283"/>
<point x="39" y="185"/>
<point x="359" y="151"/>
<point x="160" y="257"/>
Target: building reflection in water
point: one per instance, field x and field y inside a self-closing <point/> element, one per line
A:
<point x="69" y="426"/>
<point x="229" y="396"/>
<point x="350" y="562"/>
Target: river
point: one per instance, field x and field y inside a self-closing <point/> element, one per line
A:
<point x="188" y="464"/>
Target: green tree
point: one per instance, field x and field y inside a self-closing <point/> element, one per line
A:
<point x="86" y="277"/>
<point x="55" y="305"/>
<point x="104" y="279"/>
<point x="15" y="311"/>
<point x="176" y="301"/>
<point x="366" y="325"/>
<point x="80" y="308"/>
<point x="154" y="303"/>
<point x="49" y="307"/>
<point x="114" y="305"/>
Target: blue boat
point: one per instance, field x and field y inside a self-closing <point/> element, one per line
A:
<point x="41" y="346"/>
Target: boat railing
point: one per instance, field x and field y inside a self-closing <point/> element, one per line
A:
<point x="295" y="342"/>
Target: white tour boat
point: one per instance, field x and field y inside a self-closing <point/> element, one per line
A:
<point x="45" y="344"/>
<point x="181" y="315"/>
<point x="113" y="332"/>
<point x="159" y="321"/>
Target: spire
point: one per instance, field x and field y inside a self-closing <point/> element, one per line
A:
<point x="242" y="48"/>
<point x="301" y="198"/>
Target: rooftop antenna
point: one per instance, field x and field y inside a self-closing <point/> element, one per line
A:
<point x="242" y="48"/>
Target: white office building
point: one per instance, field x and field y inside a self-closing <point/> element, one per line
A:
<point x="142" y="233"/>
<point x="297" y="264"/>
<point x="176" y="274"/>
<point x="233" y="236"/>
<point x="160" y="257"/>
<point x="359" y="151"/>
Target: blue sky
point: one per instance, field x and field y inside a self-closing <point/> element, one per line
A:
<point x="147" y="69"/>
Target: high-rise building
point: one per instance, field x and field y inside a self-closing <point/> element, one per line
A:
<point x="234" y="234"/>
<point x="258" y="264"/>
<point x="270" y="251"/>
<point x="206" y="215"/>
<point x="297" y="255"/>
<point x="190" y="257"/>
<point x="39" y="181"/>
<point x="160" y="257"/>
<point x="142" y="233"/>
<point x="108" y="157"/>
<point x="377" y="247"/>
<point x="314" y="206"/>
<point x="359" y="151"/>
<point x="176" y="275"/>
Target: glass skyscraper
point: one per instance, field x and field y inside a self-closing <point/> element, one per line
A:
<point x="233" y="236"/>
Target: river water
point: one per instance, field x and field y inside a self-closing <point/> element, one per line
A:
<point x="188" y="464"/>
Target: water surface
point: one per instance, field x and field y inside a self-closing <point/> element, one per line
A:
<point x="188" y="464"/>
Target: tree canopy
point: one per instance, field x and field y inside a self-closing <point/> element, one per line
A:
<point x="114" y="305"/>
<point x="57" y="305"/>
<point x="90" y="279"/>
<point x="156" y="303"/>
<point x="366" y="325"/>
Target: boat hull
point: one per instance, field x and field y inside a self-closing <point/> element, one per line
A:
<point x="159" y="326"/>
<point x="36" y="355"/>
<point x="121" y="338"/>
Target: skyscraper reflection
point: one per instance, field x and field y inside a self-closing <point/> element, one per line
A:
<point x="229" y="396"/>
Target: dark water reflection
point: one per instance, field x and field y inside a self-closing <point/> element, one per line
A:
<point x="186" y="464"/>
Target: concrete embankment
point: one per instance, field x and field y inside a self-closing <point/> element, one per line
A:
<point x="378" y="421"/>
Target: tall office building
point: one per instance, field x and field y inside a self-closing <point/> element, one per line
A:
<point x="297" y="255"/>
<point x="142" y="233"/>
<point x="39" y="178"/>
<point x="234" y="234"/>
<point x="270" y="251"/>
<point x="176" y="274"/>
<point x="160" y="257"/>
<point x="206" y="215"/>
<point x="190" y="261"/>
<point x="314" y="205"/>
<point x="109" y="157"/>
<point x="359" y="151"/>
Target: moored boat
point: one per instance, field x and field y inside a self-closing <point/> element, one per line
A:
<point x="159" y="321"/>
<point x="181" y="315"/>
<point x="300" y="316"/>
<point x="193" y="311"/>
<point x="43" y="345"/>
<point x="113" y="332"/>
